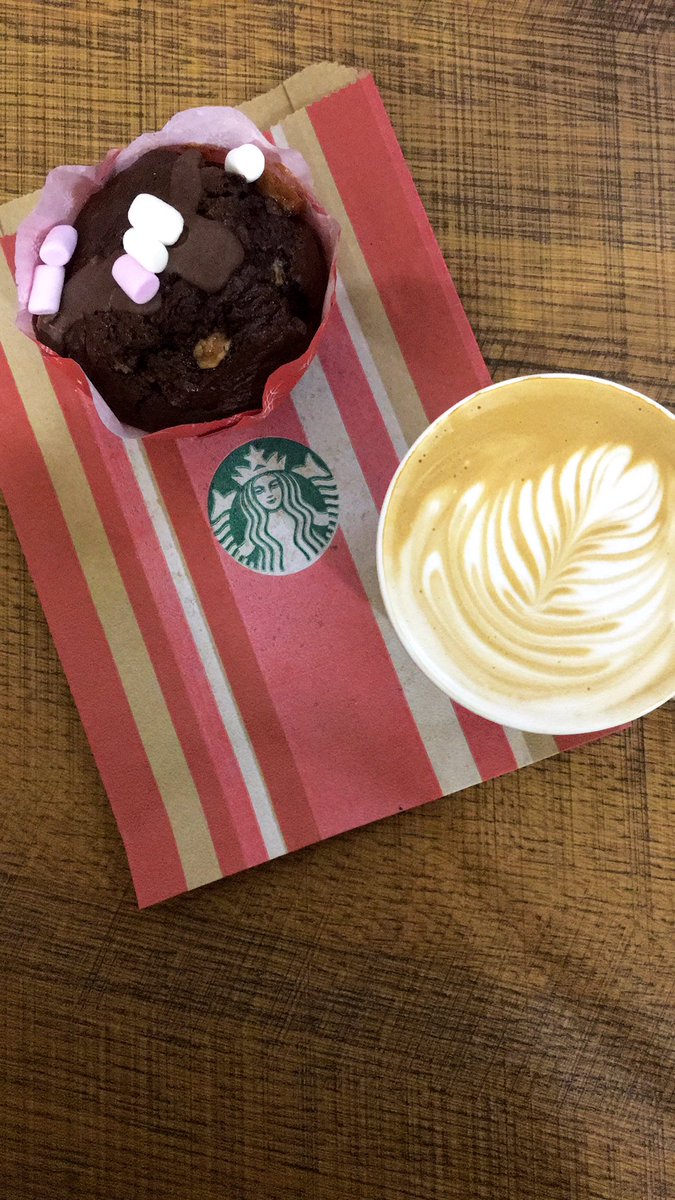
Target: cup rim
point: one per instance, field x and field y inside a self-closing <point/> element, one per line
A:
<point x="482" y="706"/>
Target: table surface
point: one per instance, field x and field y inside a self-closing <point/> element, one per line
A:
<point x="471" y="1000"/>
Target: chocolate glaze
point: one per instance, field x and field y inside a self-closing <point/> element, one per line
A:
<point x="244" y="268"/>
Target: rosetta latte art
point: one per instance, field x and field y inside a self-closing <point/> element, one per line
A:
<point x="527" y="553"/>
<point x="555" y="575"/>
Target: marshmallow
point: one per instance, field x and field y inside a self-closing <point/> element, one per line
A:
<point x="59" y="245"/>
<point x="156" y="219"/>
<point x="45" y="293"/>
<point x="247" y="160"/>
<point x="150" y="253"/>
<point x="140" y="285"/>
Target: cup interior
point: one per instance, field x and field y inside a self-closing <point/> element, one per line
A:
<point x="603" y="671"/>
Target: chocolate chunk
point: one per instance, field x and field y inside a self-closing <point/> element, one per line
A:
<point x="207" y="255"/>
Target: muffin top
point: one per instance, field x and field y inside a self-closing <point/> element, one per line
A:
<point x="241" y="294"/>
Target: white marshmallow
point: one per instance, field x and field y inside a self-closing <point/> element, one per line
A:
<point x="156" y="219"/>
<point x="247" y="160"/>
<point x="148" y="251"/>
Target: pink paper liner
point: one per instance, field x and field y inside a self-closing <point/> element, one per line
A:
<point x="67" y="189"/>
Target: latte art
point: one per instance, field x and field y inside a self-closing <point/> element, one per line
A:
<point x="553" y="575"/>
<point x="532" y="564"/>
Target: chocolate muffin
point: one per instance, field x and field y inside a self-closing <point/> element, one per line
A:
<point x="241" y="294"/>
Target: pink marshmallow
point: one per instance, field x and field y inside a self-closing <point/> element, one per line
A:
<point x="59" y="246"/>
<point x="140" y="285"/>
<point x="45" y="293"/>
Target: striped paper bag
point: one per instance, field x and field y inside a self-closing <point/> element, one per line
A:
<point x="214" y="600"/>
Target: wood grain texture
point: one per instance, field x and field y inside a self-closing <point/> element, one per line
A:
<point x="474" y="1000"/>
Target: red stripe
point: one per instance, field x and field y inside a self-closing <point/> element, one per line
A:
<point x="167" y="636"/>
<point x="323" y="663"/>
<point x="358" y="408"/>
<point x="489" y="744"/>
<point x="86" y="657"/>
<point x="202" y="555"/>
<point x="572" y="740"/>
<point x="401" y="252"/>
<point x="378" y="460"/>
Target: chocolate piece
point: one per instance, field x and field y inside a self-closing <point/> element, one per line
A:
<point x="186" y="185"/>
<point x="245" y="272"/>
<point x="207" y="255"/>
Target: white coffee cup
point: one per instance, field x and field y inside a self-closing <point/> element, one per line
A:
<point x="526" y="553"/>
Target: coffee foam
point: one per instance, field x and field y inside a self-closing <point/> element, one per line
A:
<point x="528" y="553"/>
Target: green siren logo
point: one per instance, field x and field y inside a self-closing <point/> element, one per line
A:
<point x="273" y="505"/>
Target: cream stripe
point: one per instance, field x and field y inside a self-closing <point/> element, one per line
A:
<point x="213" y="668"/>
<point x="533" y="746"/>
<point x="305" y="87"/>
<point x="541" y="745"/>
<point x="362" y="348"/>
<point x="364" y="297"/>
<point x="108" y="593"/>
<point x="438" y="727"/>
<point x="370" y="370"/>
<point x="520" y="748"/>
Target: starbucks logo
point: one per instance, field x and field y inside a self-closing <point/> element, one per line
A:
<point x="273" y="505"/>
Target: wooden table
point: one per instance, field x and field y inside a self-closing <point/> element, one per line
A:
<point x="473" y="1000"/>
